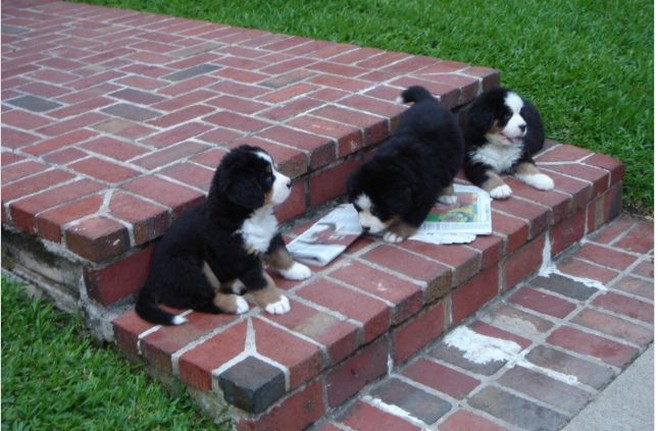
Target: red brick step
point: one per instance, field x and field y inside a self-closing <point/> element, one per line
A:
<point x="113" y="123"/>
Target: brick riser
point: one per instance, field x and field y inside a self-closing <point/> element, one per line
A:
<point x="375" y="306"/>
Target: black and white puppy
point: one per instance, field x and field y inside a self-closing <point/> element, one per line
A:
<point x="218" y="250"/>
<point x="394" y="191"/>
<point x="502" y="132"/>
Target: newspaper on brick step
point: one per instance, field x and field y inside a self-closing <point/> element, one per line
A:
<point x="458" y="223"/>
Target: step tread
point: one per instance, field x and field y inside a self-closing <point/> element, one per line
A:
<point x="389" y="300"/>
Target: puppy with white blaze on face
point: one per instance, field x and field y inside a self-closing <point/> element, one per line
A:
<point x="218" y="251"/>
<point x="502" y="132"/>
<point x="395" y="190"/>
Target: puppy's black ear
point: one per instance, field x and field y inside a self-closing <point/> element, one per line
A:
<point x="244" y="191"/>
<point x="480" y="121"/>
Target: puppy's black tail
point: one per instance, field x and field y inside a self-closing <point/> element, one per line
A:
<point x="147" y="308"/>
<point x="415" y="94"/>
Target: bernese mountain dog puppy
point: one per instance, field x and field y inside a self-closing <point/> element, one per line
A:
<point x="502" y="132"/>
<point x="217" y="251"/>
<point x="395" y="190"/>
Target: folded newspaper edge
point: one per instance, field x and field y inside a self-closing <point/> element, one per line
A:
<point x="333" y="233"/>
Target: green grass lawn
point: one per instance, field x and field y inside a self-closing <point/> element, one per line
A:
<point x="56" y="377"/>
<point x="587" y="64"/>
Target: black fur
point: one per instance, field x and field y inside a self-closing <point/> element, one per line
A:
<point x="487" y="110"/>
<point x="207" y="233"/>
<point x="411" y="168"/>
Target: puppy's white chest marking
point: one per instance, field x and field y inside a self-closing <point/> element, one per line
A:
<point x="501" y="157"/>
<point x="257" y="231"/>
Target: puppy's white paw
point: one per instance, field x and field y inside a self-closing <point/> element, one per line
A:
<point x="297" y="271"/>
<point x="241" y="305"/>
<point x="448" y="199"/>
<point x="501" y="192"/>
<point x="282" y="306"/>
<point x="393" y="237"/>
<point x="178" y="320"/>
<point x="538" y="181"/>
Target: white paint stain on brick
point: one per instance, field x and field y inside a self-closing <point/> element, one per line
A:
<point x="393" y="410"/>
<point x="555" y="375"/>
<point x="548" y="267"/>
<point x="479" y="348"/>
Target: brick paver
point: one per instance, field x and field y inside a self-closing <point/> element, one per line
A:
<point x="573" y="340"/>
<point x="121" y="98"/>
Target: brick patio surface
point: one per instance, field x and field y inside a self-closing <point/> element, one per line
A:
<point x="113" y="122"/>
<point x="558" y="339"/>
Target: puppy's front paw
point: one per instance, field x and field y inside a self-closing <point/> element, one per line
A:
<point x="297" y="271"/>
<point x="229" y="303"/>
<point x="448" y="199"/>
<point x="178" y="320"/>
<point x="538" y="181"/>
<point x="282" y="306"/>
<point x="501" y="192"/>
<point x="241" y="305"/>
<point x="393" y="237"/>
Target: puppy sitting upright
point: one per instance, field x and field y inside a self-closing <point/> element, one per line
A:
<point x="217" y="250"/>
<point x="502" y="132"/>
<point x="396" y="189"/>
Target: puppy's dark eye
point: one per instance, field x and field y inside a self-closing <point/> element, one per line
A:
<point x="357" y="208"/>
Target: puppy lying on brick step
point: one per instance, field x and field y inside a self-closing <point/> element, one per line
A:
<point x="395" y="190"/>
<point x="502" y="132"/>
<point x="218" y="250"/>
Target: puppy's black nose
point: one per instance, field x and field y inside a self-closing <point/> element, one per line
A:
<point x="289" y="184"/>
<point x="365" y="228"/>
<point x="523" y="127"/>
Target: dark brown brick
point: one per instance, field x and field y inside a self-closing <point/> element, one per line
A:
<point x="563" y="396"/>
<point x="517" y="410"/>
<point x="587" y="372"/>
<point x="252" y="385"/>
<point x="131" y="112"/>
<point x="420" y="404"/>
<point x="34" y="103"/>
